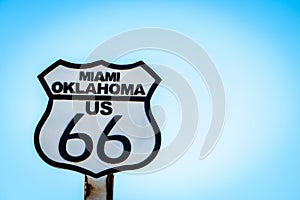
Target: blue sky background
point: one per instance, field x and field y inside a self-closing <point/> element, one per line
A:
<point x="256" y="49"/>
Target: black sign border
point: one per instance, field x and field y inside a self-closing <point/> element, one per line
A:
<point x="146" y="100"/>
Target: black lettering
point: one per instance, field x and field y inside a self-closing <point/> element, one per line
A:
<point x="88" y="108"/>
<point x="116" y="90"/>
<point x="104" y="88"/>
<point x="77" y="89"/>
<point x="139" y="89"/>
<point x="118" y="76"/>
<point x="57" y="87"/>
<point x="99" y="76"/>
<point x="107" y="109"/>
<point x="68" y="86"/>
<point x="111" y="76"/>
<point x="127" y="89"/>
<point x="85" y="76"/>
<point x="91" y="88"/>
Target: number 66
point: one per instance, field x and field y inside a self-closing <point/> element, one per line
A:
<point x="89" y="143"/>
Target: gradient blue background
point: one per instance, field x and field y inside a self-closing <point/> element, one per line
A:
<point x="256" y="49"/>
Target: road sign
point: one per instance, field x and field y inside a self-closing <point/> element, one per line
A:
<point x="98" y="119"/>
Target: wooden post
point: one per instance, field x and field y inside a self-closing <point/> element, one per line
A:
<point x="99" y="189"/>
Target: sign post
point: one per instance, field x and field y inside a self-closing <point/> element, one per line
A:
<point x="98" y="121"/>
<point x="99" y="189"/>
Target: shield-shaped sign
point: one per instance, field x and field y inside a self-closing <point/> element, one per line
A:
<point x="98" y="118"/>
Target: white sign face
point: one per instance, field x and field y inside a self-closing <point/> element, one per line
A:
<point x="98" y="118"/>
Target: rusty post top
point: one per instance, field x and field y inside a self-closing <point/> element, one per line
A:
<point x="98" y="189"/>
